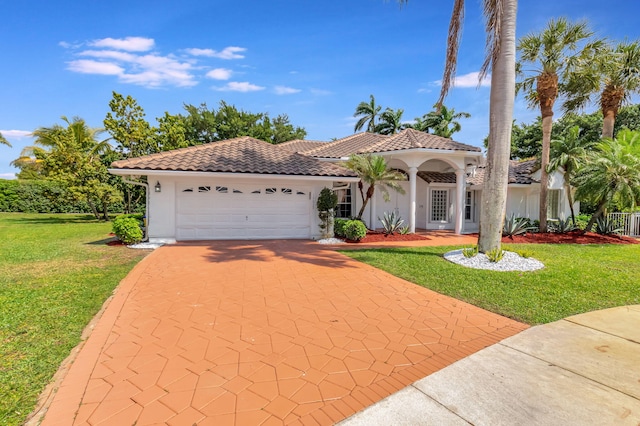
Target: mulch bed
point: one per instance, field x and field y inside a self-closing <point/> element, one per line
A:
<point x="573" y="237"/>
<point x="380" y="237"/>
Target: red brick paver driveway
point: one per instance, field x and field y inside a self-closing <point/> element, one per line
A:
<point x="262" y="333"/>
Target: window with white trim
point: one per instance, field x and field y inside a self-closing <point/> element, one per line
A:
<point x="553" y="204"/>
<point x="343" y="208"/>
<point x="439" y="205"/>
<point x="468" y="206"/>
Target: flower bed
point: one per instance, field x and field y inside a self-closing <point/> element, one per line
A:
<point x="573" y="237"/>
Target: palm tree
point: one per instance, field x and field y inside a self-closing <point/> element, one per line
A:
<point x="500" y="26"/>
<point x="390" y="122"/>
<point x="612" y="174"/>
<point x="442" y="121"/>
<point x="554" y="53"/>
<point x="373" y="171"/>
<point x="4" y="141"/>
<point x="613" y="75"/>
<point x="367" y="113"/>
<point x="569" y="153"/>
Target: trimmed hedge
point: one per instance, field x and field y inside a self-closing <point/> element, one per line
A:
<point x="127" y="228"/>
<point x="355" y="230"/>
<point x="41" y="196"/>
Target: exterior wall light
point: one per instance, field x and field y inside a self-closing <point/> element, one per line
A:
<point x="158" y="188"/>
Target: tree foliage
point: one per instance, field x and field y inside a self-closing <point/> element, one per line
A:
<point x="442" y="121"/>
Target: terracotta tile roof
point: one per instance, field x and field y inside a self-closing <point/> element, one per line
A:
<point x="300" y="145"/>
<point x="346" y="146"/>
<point x="239" y="155"/>
<point x="519" y="173"/>
<point x="414" y="139"/>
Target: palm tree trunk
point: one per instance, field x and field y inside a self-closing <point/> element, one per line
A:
<point x="570" y="200"/>
<point x="599" y="212"/>
<point x="494" y="194"/>
<point x="365" y="200"/>
<point x="609" y="104"/>
<point x="547" y="90"/>
<point x="608" y="123"/>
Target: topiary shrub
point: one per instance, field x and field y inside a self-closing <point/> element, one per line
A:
<point x="338" y="226"/>
<point x="326" y="204"/>
<point x="127" y="229"/>
<point x="355" y="230"/>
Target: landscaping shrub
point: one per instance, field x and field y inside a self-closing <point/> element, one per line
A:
<point x="469" y="252"/>
<point x="326" y="204"/>
<point x="495" y="255"/>
<point x="355" y="230"/>
<point x="606" y="226"/>
<point x="338" y="226"/>
<point x="582" y="220"/>
<point x="515" y="226"/>
<point x="38" y="196"/>
<point x="562" y="226"/>
<point x="127" y="229"/>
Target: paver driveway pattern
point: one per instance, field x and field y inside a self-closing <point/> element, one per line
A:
<point x="262" y="333"/>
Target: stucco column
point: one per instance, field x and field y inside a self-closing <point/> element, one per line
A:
<point x="460" y="194"/>
<point x="413" y="176"/>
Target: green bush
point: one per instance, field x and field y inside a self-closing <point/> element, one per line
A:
<point x="495" y="255"/>
<point x="338" y="226"/>
<point x="355" y="230"/>
<point x="469" y="252"/>
<point x="582" y="220"/>
<point x="127" y="229"/>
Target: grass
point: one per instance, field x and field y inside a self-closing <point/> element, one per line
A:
<point x="55" y="274"/>
<point x="576" y="278"/>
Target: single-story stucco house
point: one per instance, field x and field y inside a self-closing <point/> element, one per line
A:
<point x="244" y="188"/>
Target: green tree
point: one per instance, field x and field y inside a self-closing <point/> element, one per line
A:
<point x="128" y="127"/>
<point x="4" y="141"/>
<point x="442" y="121"/>
<point x="613" y="76"/>
<point x="611" y="174"/>
<point x="71" y="155"/>
<point x="373" y="172"/>
<point x="569" y="153"/>
<point x="390" y="122"/>
<point x="553" y="53"/>
<point x="368" y="112"/>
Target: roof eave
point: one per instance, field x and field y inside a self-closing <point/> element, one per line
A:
<point x="182" y="173"/>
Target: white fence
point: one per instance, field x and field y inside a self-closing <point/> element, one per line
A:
<point x="629" y="221"/>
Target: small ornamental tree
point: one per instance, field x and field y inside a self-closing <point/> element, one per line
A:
<point x="326" y="204"/>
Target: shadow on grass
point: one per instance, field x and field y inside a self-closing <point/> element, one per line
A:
<point x="58" y="219"/>
<point x="103" y="241"/>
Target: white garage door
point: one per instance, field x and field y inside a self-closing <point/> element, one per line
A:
<point x="226" y="211"/>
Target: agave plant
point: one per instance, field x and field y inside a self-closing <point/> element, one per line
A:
<point x="562" y="226"/>
<point x="607" y="226"/>
<point x="515" y="226"/>
<point x="391" y="222"/>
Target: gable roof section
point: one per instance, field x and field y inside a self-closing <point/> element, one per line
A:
<point x="300" y="145"/>
<point x="239" y="155"/>
<point x="519" y="173"/>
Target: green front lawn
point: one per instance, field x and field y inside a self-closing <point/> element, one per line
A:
<point x="576" y="278"/>
<point x="55" y="274"/>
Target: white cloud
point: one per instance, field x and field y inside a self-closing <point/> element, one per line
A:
<point x="7" y="175"/>
<point x="130" y="44"/>
<point x="220" y="74"/>
<point x="110" y="54"/>
<point x="239" y="86"/>
<point x="89" y="66"/>
<point x="424" y="90"/>
<point x="14" y="134"/>
<point x="469" y="80"/>
<point x="231" y="52"/>
<point x="284" y="90"/>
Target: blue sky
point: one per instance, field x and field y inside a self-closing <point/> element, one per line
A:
<point x="314" y="61"/>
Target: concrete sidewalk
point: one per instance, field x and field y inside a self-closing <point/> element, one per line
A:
<point x="583" y="370"/>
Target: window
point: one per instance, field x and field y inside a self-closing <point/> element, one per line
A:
<point x="439" y="205"/>
<point x="257" y="191"/>
<point x="271" y="191"/>
<point x="204" y="188"/>
<point x="286" y="191"/>
<point x="237" y="191"/>
<point x="188" y="190"/>
<point x="553" y="204"/>
<point x="468" y="206"/>
<point x="343" y="208"/>
<point x="222" y="189"/>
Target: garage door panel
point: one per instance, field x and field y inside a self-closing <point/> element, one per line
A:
<point x="242" y="212"/>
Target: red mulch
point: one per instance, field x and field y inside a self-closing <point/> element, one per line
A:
<point x="573" y="237"/>
<point x="115" y="243"/>
<point x="378" y="237"/>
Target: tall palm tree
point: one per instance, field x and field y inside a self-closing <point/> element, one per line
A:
<point x="613" y="76"/>
<point x="4" y="141"/>
<point x="390" y="122"/>
<point x="373" y="171"/>
<point x="569" y="153"/>
<point x="554" y="53"/>
<point x="612" y="174"/>
<point x="368" y="112"/>
<point x="442" y="121"/>
<point x="500" y="26"/>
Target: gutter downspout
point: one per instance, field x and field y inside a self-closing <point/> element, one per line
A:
<point x="146" y="206"/>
